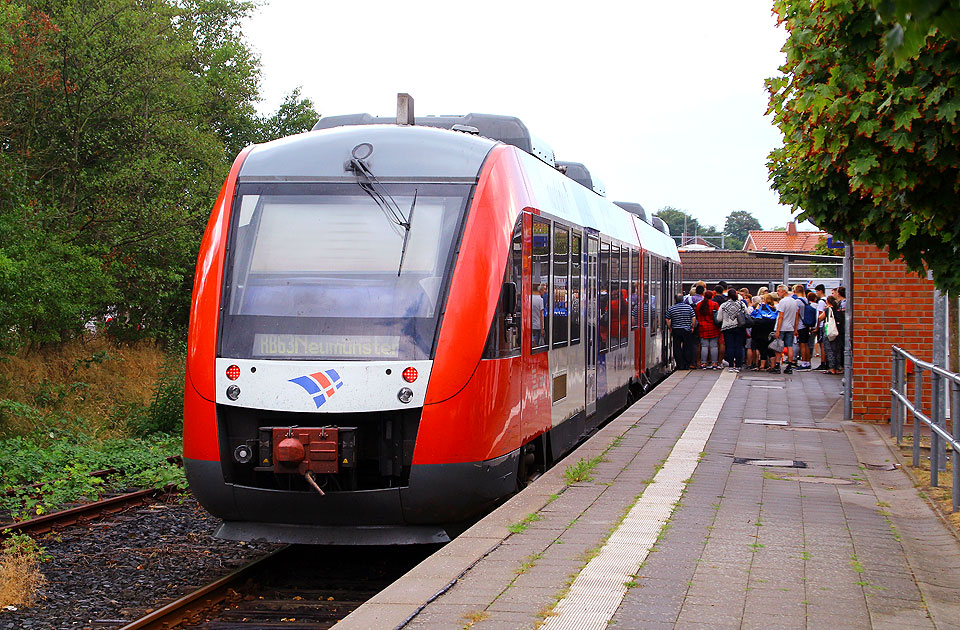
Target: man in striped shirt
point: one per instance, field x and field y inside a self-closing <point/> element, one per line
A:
<point x="680" y="320"/>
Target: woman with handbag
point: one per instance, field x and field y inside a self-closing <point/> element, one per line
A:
<point x="732" y="317"/>
<point x="833" y="335"/>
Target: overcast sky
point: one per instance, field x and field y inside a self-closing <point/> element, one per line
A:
<point x="664" y="101"/>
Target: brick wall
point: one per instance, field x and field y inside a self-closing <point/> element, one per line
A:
<point x="891" y="306"/>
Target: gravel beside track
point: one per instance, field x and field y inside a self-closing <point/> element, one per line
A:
<point x="108" y="572"/>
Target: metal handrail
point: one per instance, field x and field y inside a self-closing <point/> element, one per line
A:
<point x="941" y="383"/>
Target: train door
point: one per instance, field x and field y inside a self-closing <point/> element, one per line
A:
<point x="591" y="325"/>
<point x="665" y="299"/>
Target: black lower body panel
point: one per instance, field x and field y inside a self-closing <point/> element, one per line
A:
<point x="437" y="494"/>
<point x="333" y="534"/>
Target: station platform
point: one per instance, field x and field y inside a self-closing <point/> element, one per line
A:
<point x="670" y="525"/>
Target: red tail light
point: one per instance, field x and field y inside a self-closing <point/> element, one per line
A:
<point x="410" y="374"/>
<point x="233" y="372"/>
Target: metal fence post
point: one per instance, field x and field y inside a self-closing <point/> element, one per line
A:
<point x="956" y="438"/>
<point x="934" y="438"/>
<point x="902" y="381"/>
<point x="894" y="408"/>
<point x="917" y="401"/>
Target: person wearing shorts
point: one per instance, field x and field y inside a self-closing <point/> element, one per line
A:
<point x="788" y="318"/>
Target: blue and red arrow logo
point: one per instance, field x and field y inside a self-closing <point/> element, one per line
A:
<point x="321" y="385"/>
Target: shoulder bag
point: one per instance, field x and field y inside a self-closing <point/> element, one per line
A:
<point x="831" y="326"/>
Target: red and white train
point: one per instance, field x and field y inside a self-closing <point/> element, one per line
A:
<point x="394" y="327"/>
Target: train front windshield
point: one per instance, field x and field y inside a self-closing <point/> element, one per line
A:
<point x="314" y="271"/>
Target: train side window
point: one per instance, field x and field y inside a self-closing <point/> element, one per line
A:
<point x="645" y="298"/>
<point x="561" y="284"/>
<point x="540" y="286"/>
<point x="656" y="280"/>
<point x="624" y="294"/>
<point x="634" y="289"/>
<point x="575" y="275"/>
<point x="505" y="333"/>
<point x="615" y="299"/>
<point x="603" y="302"/>
<point x="650" y="287"/>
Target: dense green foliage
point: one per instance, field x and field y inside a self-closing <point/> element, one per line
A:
<point x="682" y="222"/>
<point x="118" y="123"/>
<point x="737" y="227"/>
<point x="62" y="462"/>
<point x="871" y="148"/>
<point x="913" y="20"/>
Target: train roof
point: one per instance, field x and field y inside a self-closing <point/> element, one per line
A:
<point x="551" y="191"/>
<point x="325" y="155"/>
<point x="506" y="129"/>
<point x="634" y="208"/>
<point x="581" y="174"/>
<point x="446" y="156"/>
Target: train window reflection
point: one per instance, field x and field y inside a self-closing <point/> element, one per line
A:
<point x="540" y="284"/>
<point x="603" y="302"/>
<point x="615" y="300"/>
<point x="624" y="295"/>
<point x="318" y="259"/>
<point x="575" y="275"/>
<point x="561" y="271"/>
<point x="504" y="337"/>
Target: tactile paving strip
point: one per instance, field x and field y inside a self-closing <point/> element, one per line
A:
<point x="597" y="591"/>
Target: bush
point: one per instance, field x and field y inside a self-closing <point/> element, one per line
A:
<point x="165" y="413"/>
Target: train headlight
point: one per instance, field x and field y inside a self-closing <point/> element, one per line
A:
<point x="405" y="395"/>
<point x="410" y="374"/>
<point x="233" y="392"/>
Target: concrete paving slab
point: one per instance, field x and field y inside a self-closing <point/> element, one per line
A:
<point x="823" y="555"/>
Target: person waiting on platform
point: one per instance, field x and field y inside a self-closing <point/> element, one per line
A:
<point x="708" y="331"/>
<point x="734" y="334"/>
<point x="680" y="321"/>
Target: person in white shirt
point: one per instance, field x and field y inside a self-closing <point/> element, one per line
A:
<point x="788" y="316"/>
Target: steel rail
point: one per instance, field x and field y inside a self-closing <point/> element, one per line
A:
<point x="180" y="610"/>
<point x="87" y="511"/>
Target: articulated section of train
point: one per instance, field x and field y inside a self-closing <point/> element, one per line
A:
<point x="394" y="327"/>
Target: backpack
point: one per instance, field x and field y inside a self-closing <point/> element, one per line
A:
<point x="809" y="313"/>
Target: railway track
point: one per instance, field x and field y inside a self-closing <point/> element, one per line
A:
<point x="296" y="587"/>
<point x="84" y="512"/>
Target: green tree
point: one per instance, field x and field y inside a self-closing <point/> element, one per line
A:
<point x="119" y="120"/>
<point x="737" y="227"/>
<point x="871" y="151"/>
<point x="913" y="21"/>
<point x="680" y="221"/>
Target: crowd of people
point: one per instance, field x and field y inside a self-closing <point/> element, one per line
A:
<point x="772" y="331"/>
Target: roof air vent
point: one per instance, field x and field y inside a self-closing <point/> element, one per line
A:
<point x="634" y="208"/>
<point x="580" y="174"/>
<point x="661" y="225"/>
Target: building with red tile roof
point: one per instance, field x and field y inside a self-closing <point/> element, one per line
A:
<point x="783" y="241"/>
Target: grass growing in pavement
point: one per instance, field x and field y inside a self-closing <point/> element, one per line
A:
<point x="519" y="528"/>
<point x="576" y="473"/>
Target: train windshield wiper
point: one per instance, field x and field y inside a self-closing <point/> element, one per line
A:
<point x="406" y="234"/>
<point x="369" y="183"/>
